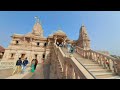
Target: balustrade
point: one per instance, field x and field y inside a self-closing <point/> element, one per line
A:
<point x="7" y="64"/>
<point x="106" y="61"/>
<point x="69" y="67"/>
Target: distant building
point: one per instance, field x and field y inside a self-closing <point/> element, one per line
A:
<point x="2" y="50"/>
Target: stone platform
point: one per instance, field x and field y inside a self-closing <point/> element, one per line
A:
<point x="5" y="73"/>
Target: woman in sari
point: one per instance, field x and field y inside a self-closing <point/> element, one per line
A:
<point x="33" y="65"/>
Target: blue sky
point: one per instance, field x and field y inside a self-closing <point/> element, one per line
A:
<point x="103" y="27"/>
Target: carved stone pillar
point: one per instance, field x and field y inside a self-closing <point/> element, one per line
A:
<point x="31" y="39"/>
<point x="118" y="67"/>
<point x="48" y="42"/>
<point x="64" y="41"/>
<point x="55" y="40"/>
<point x="24" y="38"/>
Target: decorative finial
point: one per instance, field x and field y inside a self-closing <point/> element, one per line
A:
<point x="82" y="25"/>
<point x="59" y="28"/>
<point x="37" y="19"/>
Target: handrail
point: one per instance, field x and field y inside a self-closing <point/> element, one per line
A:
<point x="112" y="66"/>
<point x="82" y="66"/>
<point x="97" y="53"/>
<point x="86" y="68"/>
<point x="104" y="55"/>
<point x="58" y="59"/>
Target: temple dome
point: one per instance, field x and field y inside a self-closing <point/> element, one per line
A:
<point x="29" y="35"/>
<point x="60" y="32"/>
<point x="50" y="36"/>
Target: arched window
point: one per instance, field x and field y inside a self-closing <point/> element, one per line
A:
<point x="45" y="44"/>
<point x="36" y="56"/>
<point x="22" y="56"/>
<point x="38" y="43"/>
<point x="43" y="55"/>
<point x="17" y="42"/>
<point x="12" y="55"/>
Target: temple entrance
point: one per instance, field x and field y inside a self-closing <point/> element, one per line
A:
<point x="59" y="42"/>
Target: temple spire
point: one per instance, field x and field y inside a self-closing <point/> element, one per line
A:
<point x="83" y="40"/>
<point x="59" y="28"/>
<point x="37" y="28"/>
<point x="37" y="19"/>
<point x="82" y="25"/>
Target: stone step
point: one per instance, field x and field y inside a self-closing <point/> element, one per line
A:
<point x="87" y="62"/>
<point x="91" y="64"/>
<point x="102" y="73"/>
<point x="113" y="77"/>
<point x="104" y="76"/>
<point x="26" y="75"/>
<point x="118" y="78"/>
<point x="94" y="67"/>
<point x="97" y="70"/>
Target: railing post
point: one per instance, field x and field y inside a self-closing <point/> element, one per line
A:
<point x="117" y="66"/>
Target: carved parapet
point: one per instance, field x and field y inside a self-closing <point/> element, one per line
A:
<point x="117" y="67"/>
<point x="7" y="64"/>
<point x="113" y="64"/>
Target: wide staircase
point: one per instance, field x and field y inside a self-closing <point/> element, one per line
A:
<point x="97" y="70"/>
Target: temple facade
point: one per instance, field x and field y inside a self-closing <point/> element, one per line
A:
<point x="34" y="45"/>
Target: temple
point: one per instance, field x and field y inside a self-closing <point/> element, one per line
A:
<point x="55" y="60"/>
<point x="34" y="45"/>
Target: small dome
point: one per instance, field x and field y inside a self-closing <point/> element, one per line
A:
<point x="59" y="32"/>
<point x="50" y="36"/>
<point x="29" y="35"/>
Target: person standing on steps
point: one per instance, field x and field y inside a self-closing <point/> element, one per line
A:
<point x="18" y="66"/>
<point x="71" y="51"/>
<point x="25" y="62"/>
<point x="68" y="47"/>
<point x="33" y="65"/>
<point x="36" y="62"/>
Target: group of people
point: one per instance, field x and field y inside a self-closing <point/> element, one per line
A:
<point x="70" y="48"/>
<point x="22" y="64"/>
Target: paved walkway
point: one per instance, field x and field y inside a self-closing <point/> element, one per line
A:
<point x="42" y="72"/>
<point x="5" y="73"/>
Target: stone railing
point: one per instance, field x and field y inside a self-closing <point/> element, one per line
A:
<point x="106" y="61"/>
<point x="68" y="67"/>
<point x="4" y="64"/>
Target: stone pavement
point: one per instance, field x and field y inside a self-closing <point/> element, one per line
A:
<point x="42" y="72"/>
<point x="25" y="75"/>
<point x="5" y="73"/>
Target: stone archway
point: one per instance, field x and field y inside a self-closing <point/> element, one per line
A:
<point x="59" y="41"/>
